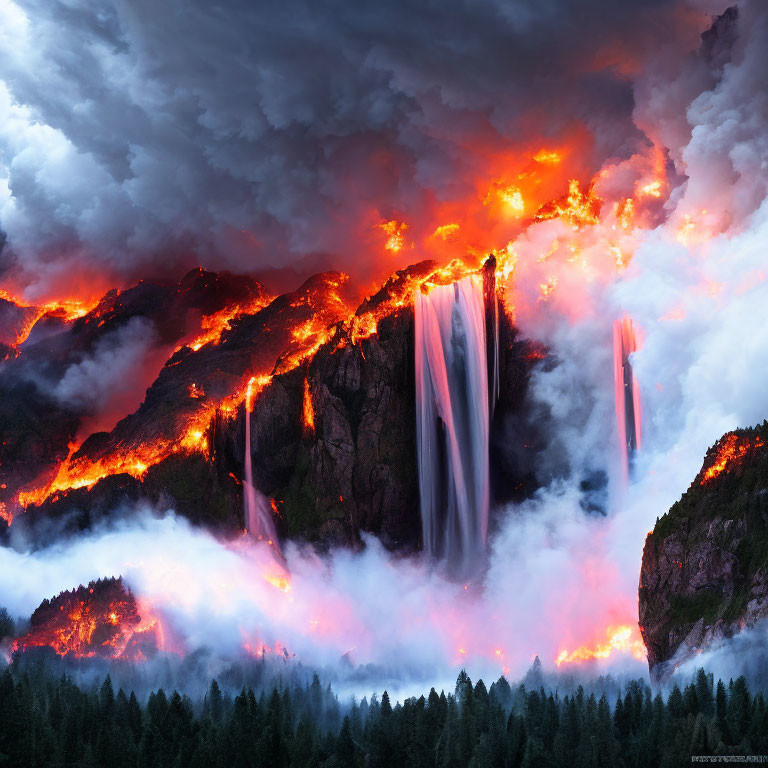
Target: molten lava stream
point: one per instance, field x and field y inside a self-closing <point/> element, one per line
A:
<point x="730" y="453"/>
<point x="65" y="309"/>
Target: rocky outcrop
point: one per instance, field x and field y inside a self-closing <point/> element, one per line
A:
<point x="101" y="620"/>
<point x="350" y="465"/>
<point x="704" y="573"/>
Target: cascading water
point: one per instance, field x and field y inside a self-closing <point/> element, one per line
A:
<point x="452" y="423"/>
<point x="627" y="392"/>
<point x="491" y="300"/>
<point x="258" y="516"/>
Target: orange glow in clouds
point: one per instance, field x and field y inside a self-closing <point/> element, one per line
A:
<point x="621" y="639"/>
<point x="395" y="231"/>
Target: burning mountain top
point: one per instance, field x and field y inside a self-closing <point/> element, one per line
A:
<point x="102" y="620"/>
<point x="736" y="464"/>
<point x="96" y="367"/>
<point x="704" y="566"/>
<point x="729" y="454"/>
<point x="252" y="336"/>
<point x="180" y="406"/>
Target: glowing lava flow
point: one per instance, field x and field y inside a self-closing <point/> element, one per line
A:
<point x="578" y="208"/>
<point x="622" y="639"/>
<point x="306" y="338"/>
<point x="66" y="310"/>
<point x="212" y="326"/>
<point x="730" y="453"/>
<point x="308" y="412"/>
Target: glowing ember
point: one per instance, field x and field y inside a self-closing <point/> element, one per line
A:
<point x="260" y="650"/>
<point x="625" y="213"/>
<point x="446" y="231"/>
<point x="279" y="581"/>
<point x="548" y="287"/>
<point x="731" y="452"/>
<point x="195" y="392"/>
<point x="622" y="639"/>
<point x="547" y="158"/>
<point x="651" y="190"/>
<point x="692" y="229"/>
<point x="308" y="412"/>
<point x="514" y="199"/>
<point x="395" y="231"/>
<point x="509" y="194"/>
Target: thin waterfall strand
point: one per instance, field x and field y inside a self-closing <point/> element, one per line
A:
<point x="627" y="393"/>
<point x="258" y="516"/>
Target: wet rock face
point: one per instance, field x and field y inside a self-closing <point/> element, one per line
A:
<point x="353" y="468"/>
<point x="704" y="574"/>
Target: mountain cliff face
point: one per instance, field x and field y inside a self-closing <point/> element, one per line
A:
<point x="704" y="574"/>
<point x="333" y="439"/>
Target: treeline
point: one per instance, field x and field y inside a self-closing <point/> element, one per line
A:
<point x="47" y="721"/>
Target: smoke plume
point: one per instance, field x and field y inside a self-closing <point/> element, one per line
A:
<point x="281" y="136"/>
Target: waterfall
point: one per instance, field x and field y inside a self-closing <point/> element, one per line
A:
<point x="258" y="515"/>
<point x="491" y="299"/>
<point x="627" y="392"/>
<point x="452" y="423"/>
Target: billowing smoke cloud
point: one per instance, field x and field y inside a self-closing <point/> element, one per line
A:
<point x="419" y="627"/>
<point x="105" y="378"/>
<point x="247" y="138"/>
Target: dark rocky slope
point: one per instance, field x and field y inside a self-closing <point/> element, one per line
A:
<point x="351" y="470"/>
<point x="37" y="426"/>
<point x="704" y="574"/>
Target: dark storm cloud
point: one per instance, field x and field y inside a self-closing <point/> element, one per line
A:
<point x="252" y="135"/>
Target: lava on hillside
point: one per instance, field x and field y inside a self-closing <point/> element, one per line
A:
<point x="101" y="620"/>
<point x="249" y="333"/>
<point x="729" y="453"/>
